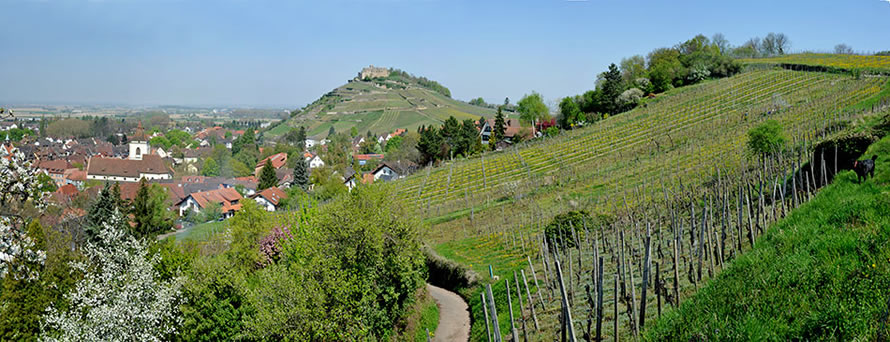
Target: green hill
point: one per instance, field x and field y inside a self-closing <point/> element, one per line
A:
<point x="822" y="273"/>
<point x="492" y="210"/>
<point x="381" y="105"/>
<point x="829" y="60"/>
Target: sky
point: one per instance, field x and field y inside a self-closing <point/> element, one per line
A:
<point x="288" y="53"/>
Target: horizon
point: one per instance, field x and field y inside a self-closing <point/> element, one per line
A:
<point x="286" y="55"/>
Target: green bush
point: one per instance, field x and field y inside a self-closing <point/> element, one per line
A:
<point x="766" y="138"/>
<point x="559" y="231"/>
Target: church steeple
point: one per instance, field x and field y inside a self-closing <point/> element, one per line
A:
<point x="139" y="144"/>
<point x="139" y="135"/>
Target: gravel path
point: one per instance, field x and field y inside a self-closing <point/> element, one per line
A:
<point x="454" y="315"/>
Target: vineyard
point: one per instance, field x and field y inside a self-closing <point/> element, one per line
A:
<point x="846" y="62"/>
<point x="378" y="108"/>
<point x="681" y="196"/>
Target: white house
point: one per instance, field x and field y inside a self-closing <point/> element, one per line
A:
<point x="270" y="199"/>
<point x="310" y="143"/>
<point x="388" y="171"/>
<point x="314" y="160"/>
<point x="228" y="199"/>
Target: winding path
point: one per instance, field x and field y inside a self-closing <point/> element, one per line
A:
<point x="454" y="315"/>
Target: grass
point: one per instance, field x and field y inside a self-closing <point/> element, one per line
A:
<point x="845" y="62"/>
<point x="200" y="232"/>
<point x="429" y="319"/>
<point x="364" y="106"/>
<point x="423" y="315"/>
<point x="821" y="273"/>
<point x="607" y="171"/>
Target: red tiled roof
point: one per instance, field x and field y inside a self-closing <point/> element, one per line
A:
<point x="225" y="197"/>
<point x="68" y="190"/>
<point x="76" y="175"/>
<point x="273" y="195"/>
<point x="278" y="160"/>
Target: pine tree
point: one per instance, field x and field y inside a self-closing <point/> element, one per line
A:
<point x="149" y="210"/>
<point x="499" y="129"/>
<point x="101" y="211"/>
<point x="117" y="198"/>
<point x="268" y="178"/>
<point x="301" y="174"/>
<point x="301" y="137"/>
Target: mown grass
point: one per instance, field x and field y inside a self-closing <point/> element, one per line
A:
<point x="823" y="273"/>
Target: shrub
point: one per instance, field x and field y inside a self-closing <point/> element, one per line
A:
<point x="766" y="138"/>
<point x="559" y="231"/>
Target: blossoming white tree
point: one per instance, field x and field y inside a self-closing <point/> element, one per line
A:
<point x="18" y="185"/>
<point x="120" y="298"/>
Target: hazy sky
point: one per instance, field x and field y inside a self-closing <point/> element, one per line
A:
<point x="290" y="52"/>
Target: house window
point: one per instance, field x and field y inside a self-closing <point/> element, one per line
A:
<point x="138" y="151"/>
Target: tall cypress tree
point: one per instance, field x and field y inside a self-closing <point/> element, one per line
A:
<point x="268" y="178"/>
<point x="301" y="173"/>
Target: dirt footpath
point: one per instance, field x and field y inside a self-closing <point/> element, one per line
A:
<point x="454" y="315"/>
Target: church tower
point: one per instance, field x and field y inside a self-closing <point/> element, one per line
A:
<point x="138" y="144"/>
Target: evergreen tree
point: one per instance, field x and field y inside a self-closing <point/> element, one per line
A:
<point x="499" y="130"/>
<point x="101" y="211"/>
<point x="301" y="173"/>
<point x="246" y="139"/>
<point x="268" y="178"/>
<point x="613" y="86"/>
<point x="467" y="140"/>
<point x="429" y="144"/>
<point x="301" y="137"/>
<point x="117" y="198"/>
<point x="149" y="210"/>
<point x="450" y="131"/>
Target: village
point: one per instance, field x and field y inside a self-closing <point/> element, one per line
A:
<point x="199" y="185"/>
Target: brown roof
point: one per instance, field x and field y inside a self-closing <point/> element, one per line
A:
<point x="68" y="190"/>
<point x="273" y="195"/>
<point x="54" y="166"/>
<point x="101" y="166"/>
<point x="511" y="127"/>
<point x="225" y="197"/>
<point x="76" y="175"/>
<point x="278" y="160"/>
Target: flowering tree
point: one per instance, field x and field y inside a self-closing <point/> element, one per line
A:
<point x="120" y="298"/>
<point x="271" y="245"/>
<point x="18" y="184"/>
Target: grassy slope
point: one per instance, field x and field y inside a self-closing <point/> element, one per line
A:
<point x="367" y="107"/>
<point x="477" y="252"/>
<point x="848" y="62"/>
<point x="822" y="273"/>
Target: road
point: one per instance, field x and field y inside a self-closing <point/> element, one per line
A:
<point x="454" y="316"/>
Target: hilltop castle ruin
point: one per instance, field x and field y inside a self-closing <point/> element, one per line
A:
<point x="373" y="72"/>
